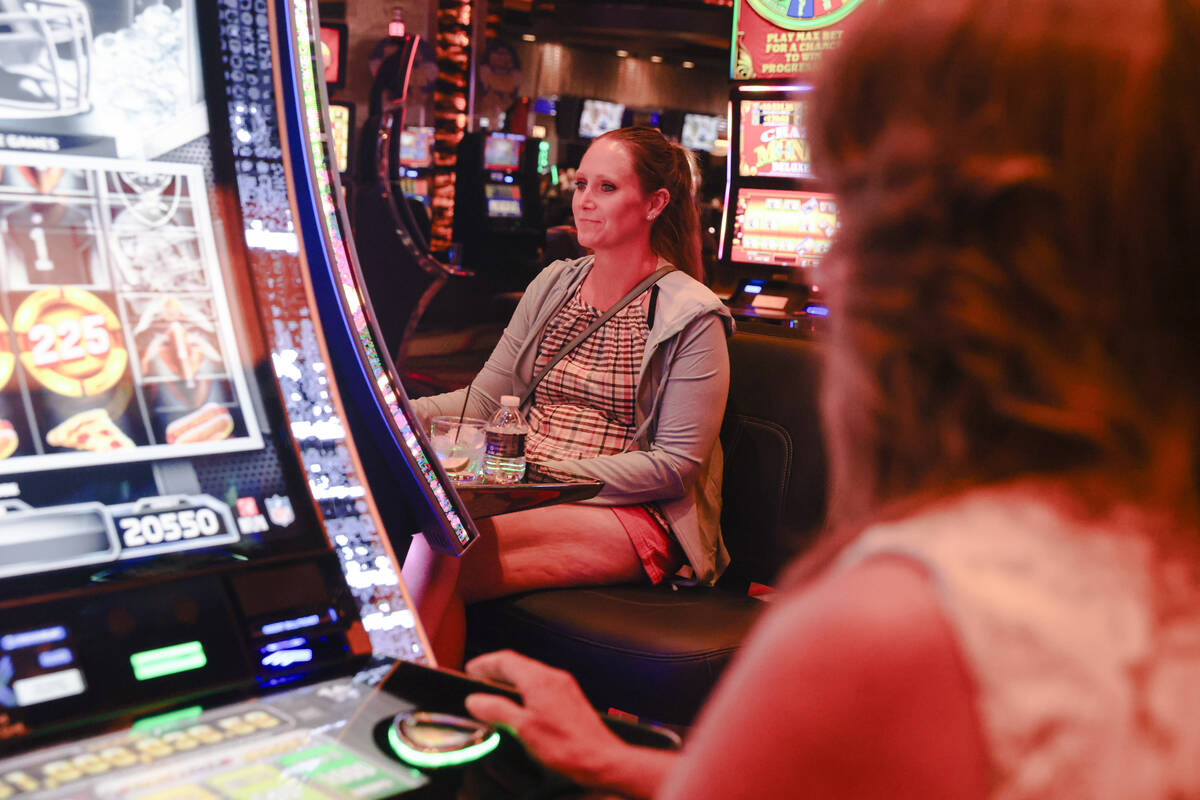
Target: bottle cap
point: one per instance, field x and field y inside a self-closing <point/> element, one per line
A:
<point x="510" y="400"/>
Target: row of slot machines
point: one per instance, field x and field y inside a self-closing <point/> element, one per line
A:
<point x="777" y="224"/>
<point x="208" y="469"/>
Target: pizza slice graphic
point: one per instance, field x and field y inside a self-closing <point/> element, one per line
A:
<point x="91" y="430"/>
<point x="8" y="439"/>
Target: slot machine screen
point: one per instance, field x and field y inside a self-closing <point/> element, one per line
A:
<point x="701" y="131"/>
<point x="131" y="422"/>
<point x="419" y="189"/>
<point x="416" y="148"/>
<point x="502" y="152"/>
<point x="341" y="120"/>
<point x="649" y="118"/>
<point x="598" y="117"/>
<point x="503" y="201"/>
<point x="782" y="228"/>
<point x="774" y="139"/>
<point x="333" y="54"/>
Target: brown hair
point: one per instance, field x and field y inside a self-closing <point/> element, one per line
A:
<point x="660" y="164"/>
<point x="1016" y="286"/>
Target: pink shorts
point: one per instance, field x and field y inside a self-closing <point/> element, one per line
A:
<point x="651" y="536"/>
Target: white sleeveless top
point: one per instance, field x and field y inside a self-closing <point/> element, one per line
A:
<point x="1082" y="637"/>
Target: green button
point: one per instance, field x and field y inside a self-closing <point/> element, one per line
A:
<point x="168" y="660"/>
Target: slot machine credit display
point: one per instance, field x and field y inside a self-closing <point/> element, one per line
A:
<point x="783" y="228"/>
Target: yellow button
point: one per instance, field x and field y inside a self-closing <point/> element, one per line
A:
<point x="118" y="756"/>
<point x="261" y="719"/>
<point x="22" y="781"/>
<point x="90" y="764"/>
<point x="62" y="771"/>
<point x="205" y="733"/>
<point x="180" y="740"/>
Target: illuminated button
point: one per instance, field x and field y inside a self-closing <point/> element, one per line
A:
<point x="62" y="771"/>
<point x="180" y="740"/>
<point x="118" y="756"/>
<point x="153" y="748"/>
<point x="168" y="660"/>
<point x="261" y="719"/>
<point x="51" y="686"/>
<point x="90" y="763"/>
<point x="205" y="733"/>
<point x="235" y="726"/>
<point x="5" y="792"/>
<point x="22" y="781"/>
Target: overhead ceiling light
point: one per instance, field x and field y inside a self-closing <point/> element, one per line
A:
<point x="689" y="64"/>
<point x="623" y="53"/>
<point x="528" y="37"/>
<point x="656" y="59"/>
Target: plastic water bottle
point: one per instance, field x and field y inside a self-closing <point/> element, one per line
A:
<point x="504" y="443"/>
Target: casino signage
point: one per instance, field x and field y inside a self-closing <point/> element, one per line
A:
<point x="786" y="38"/>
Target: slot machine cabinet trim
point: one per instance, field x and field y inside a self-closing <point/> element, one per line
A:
<point x="282" y="47"/>
<point x="347" y="300"/>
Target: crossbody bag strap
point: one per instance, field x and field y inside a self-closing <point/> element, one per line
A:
<point x="633" y="293"/>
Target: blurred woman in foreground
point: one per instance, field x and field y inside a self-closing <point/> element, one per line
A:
<point x="1011" y="405"/>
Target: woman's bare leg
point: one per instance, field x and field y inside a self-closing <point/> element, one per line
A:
<point x="565" y="545"/>
<point x="430" y="577"/>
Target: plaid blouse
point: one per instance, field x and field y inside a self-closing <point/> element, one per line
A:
<point x="584" y="407"/>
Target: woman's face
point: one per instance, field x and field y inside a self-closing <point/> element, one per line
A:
<point x="611" y="210"/>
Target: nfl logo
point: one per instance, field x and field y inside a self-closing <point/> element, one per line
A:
<point x="279" y="509"/>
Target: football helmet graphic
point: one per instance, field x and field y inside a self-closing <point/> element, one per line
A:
<point x="45" y="55"/>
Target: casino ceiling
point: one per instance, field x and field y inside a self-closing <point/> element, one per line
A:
<point x="696" y="30"/>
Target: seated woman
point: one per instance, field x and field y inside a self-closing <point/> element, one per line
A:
<point x="1010" y="405"/>
<point x="638" y="404"/>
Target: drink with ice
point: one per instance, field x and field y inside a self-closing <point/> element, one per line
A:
<point x="459" y="447"/>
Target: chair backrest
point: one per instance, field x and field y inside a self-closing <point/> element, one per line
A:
<point x="775" y="475"/>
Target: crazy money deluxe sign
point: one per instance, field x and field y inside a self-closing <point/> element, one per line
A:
<point x="785" y="38"/>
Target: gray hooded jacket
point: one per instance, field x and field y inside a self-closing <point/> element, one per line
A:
<point x="682" y="388"/>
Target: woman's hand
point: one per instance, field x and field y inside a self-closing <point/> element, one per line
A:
<point x="560" y="728"/>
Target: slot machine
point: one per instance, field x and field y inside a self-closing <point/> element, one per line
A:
<point x="498" y="206"/>
<point x="778" y="221"/>
<point x="199" y="581"/>
<point x="414" y="169"/>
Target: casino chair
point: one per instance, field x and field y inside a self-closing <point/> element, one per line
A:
<point x="657" y="651"/>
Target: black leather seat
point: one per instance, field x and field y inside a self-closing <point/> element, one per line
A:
<point x="657" y="651"/>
